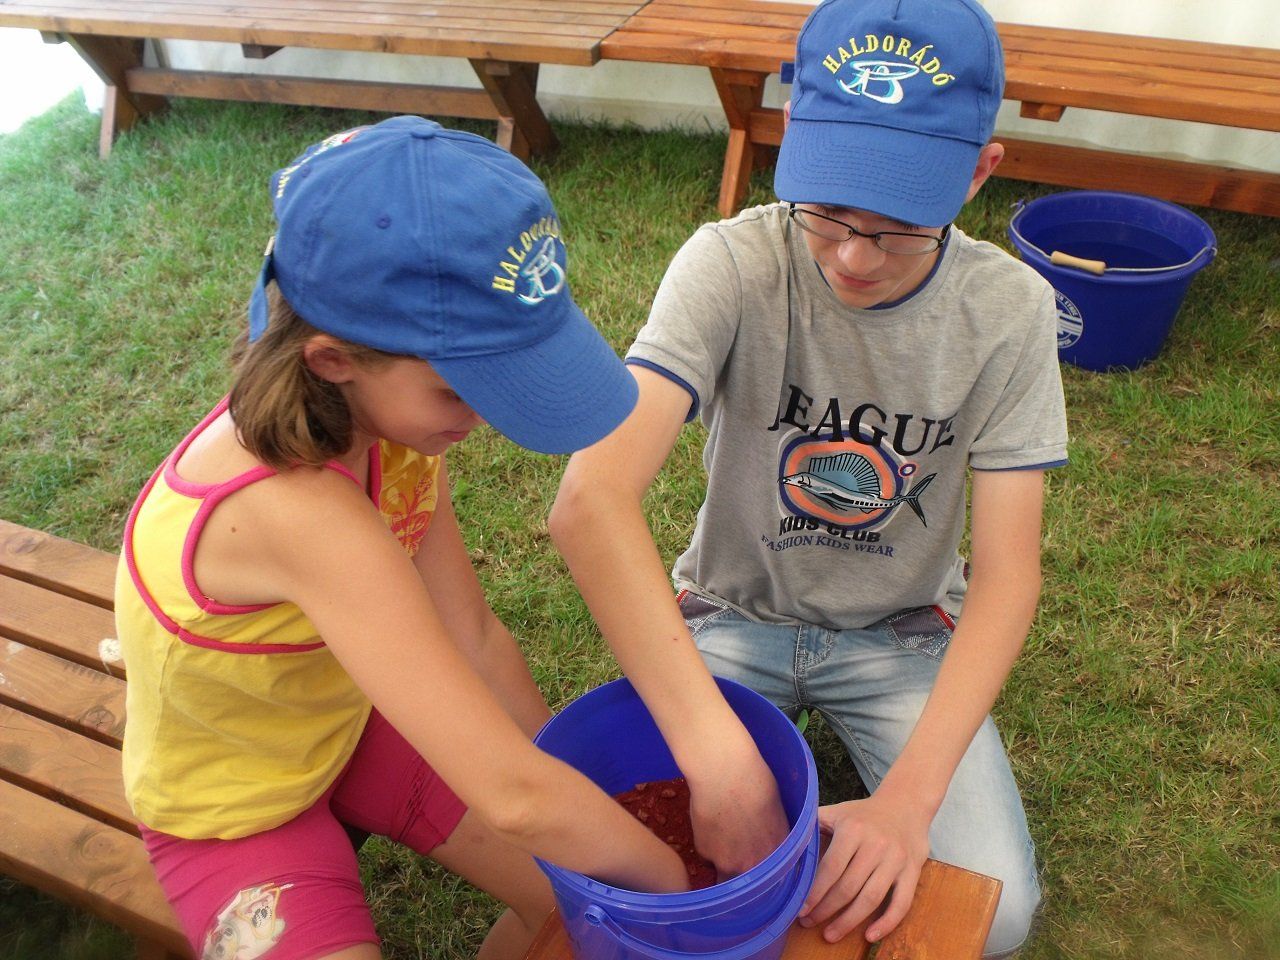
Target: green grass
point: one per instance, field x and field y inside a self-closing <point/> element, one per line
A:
<point x="1142" y="720"/>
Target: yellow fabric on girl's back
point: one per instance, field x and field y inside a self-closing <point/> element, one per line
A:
<point x="238" y="717"/>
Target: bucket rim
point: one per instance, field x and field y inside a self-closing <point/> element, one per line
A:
<point x="1025" y="246"/>
<point x="727" y="890"/>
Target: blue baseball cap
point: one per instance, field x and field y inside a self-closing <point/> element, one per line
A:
<point x="418" y="240"/>
<point x="892" y="101"/>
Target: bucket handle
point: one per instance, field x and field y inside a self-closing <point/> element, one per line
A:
<point x="596" y="915"/>
<point x="1066" y="260"/>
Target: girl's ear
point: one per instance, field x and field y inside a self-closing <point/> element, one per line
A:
<point x="325" y="357"/>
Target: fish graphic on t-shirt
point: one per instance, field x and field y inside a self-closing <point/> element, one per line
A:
<point x="848" y="482"/>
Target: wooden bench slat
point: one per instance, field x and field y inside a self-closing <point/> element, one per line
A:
<point x="328" y="17"/>
<point x="1090" y="74"/>
<point x="65" y="767"/>
<point x="756" y="33"/>
<point x="677" y="49"/>
<point x="1094" y="91"/>
<point x="119" y="17"/>
<point x="101" y="869"/>
<point x="415" y="12"/>
<point x="1050" y="50"/>
<point x="58" y="565"/>
<point x="1126" y="41"/>
<point x="79" y="698"/>
<point x="521" y="9"/>
<point x="708" y="19"/>
<point x="801" y="10"/>
<point x="310" y="91"/>
<point x="343" y="16"/>
<point x="1203" y="185"/>
<point x="58" y="625"/>
<point x="281" y="33"/>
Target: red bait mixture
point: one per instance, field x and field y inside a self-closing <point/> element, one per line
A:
<point x="663" y="807"/>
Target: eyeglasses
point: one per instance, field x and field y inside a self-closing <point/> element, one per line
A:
<point x="828" y="228"/>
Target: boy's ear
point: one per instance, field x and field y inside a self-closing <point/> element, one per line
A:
<point x="326" y="358"/>
<point x="989" y="158"/>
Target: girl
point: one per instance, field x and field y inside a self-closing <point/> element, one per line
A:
<point x="303" y="631"/>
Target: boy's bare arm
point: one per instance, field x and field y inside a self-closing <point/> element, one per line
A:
<point x="880" y="843"/>
<point x="599" y="526"/>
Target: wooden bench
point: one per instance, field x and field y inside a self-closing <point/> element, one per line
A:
<point x="64" y="825"/>
<point x="949" y="919"/>
<point x="504" y="42"/>
<point x="1047" y="69"/>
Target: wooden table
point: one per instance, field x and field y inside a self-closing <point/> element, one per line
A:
<point x="504" y="42"/>
<point x="1047" y="70"/>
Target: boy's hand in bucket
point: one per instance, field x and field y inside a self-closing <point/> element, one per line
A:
<point x="737" y="815"/>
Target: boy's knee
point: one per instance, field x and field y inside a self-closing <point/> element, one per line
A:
<point x="1015" y="914"/>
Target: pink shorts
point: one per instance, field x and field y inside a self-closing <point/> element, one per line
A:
<point x="295" y="890"/>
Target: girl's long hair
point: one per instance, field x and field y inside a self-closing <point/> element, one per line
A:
<point x="285" y="415"/>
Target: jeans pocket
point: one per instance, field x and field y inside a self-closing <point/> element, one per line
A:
<point x="925" y="630"/>
<point x="698" y="611"/>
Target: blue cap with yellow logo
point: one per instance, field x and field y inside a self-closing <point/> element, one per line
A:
<point x="418" y="240"/>
<point x="891" y="103"/>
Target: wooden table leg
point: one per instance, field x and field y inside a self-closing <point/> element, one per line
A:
<point x="111" y="58"/>
<point x="741" y="92"/>
<point x="522" y="126"/>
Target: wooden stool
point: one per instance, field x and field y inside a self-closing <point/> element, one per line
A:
<point x="948" y="920"/>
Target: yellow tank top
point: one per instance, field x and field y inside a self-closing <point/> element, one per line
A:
<point x="238" y="717"/>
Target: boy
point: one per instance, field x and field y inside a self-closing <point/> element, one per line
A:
<point x="851" y="354"/>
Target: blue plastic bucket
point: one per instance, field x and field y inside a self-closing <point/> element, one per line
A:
<point x="609" y="736"/>
<point x="1114" y="310"/>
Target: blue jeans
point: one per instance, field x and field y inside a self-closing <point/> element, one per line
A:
<point x="871" y="685"/>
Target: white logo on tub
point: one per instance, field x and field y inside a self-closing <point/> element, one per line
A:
<point x="1070" y="322"/>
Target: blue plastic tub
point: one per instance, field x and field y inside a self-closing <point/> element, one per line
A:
<point x="609" y="736"/>
<point x="1116" y="309"/>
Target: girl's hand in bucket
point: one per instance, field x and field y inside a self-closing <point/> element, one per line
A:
<point x="877" y="849"/>
<point x="735" y="809"/>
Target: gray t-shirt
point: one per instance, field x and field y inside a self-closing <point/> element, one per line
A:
<point x="839" y="438"/>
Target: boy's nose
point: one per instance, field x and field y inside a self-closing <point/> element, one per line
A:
<point x="859" y="253"/>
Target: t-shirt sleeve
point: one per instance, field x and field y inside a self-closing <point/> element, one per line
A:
<point x="695" y="316"/>
<point x="1027" y="428"/>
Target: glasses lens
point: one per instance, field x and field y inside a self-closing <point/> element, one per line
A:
<point x="814" y="223"/>
<point x="906" y="243"/>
